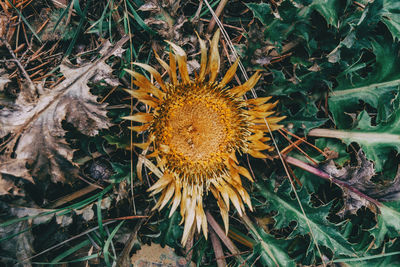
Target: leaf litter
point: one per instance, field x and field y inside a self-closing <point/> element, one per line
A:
<point x="33" y="129"/>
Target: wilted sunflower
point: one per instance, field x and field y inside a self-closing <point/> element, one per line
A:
<point x="195" y="128"/>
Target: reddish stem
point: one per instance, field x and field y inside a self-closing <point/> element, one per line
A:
<point x="324" y="175"/>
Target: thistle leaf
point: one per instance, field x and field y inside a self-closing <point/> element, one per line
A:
<point x="376" y="141"/>
<point x="324" y="232"/>
<point x="378" y="89"/>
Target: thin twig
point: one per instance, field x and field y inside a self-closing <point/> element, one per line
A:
<point x="298" y="148"/>
<point x="32" y="87"/>
<point x="68" y="198"/>
<point x="305" y="141"/>
<point x="66" y="241"/>
<point x="124" y="258"/>
<point x="126" y="218"/>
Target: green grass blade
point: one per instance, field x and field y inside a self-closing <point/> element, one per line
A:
<point x="26" y="22"/>
<point x="139" y="20"/>
<point x="100" y="219"/>
<point x="65" y="11"/>
<point x="70" y="251"/>
<point x="108" y="243"/>
<point x="61" y="211"/>
<point x="89" y="257"/>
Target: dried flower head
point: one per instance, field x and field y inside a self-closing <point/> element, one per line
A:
<point x="195" y="128"/>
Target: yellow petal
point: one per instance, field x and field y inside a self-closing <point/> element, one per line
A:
<point x="243" y="171"/>
<point x="271" y="120"/>
<point x="199" y="217"/>
<point x="160" y="200"/>
<point x="257" y="145"/>
<point x="229" y="74"/>
<point x="233" y="157"/>
<point x="183" y="203"/>
<point x="139" y="117"/>
<point x="214" y="192"/>
<point x="242" y="89"/>
<point x="142" y="146"/>
<point x="204" y="224"/>
<point x="235" y="177"/>
<point x="256" y="154"/>
<point x="266" y="107"/>
<point x="144" y="97"/>
<point x="258" y="116"/>
<point x="172" y="65"/>
<point x="182" y="62"/>
<point x="224" y="214"/>
<point x="145" y="84"/>
<point x="163" y="64"/>
<point x="161" y="183"/>
<point x="154" y="72"/>
<point x="139" y="168"/>
<point x="263" y="127"/>
<point x="222" y="208"/>
<point x="140" y="128"/>
<point x="256" y="136"/>
<point x="203" y="62"/>
<point x="222" y="190"/>
<point x="214" y="61"/>
<point x="257" y="101"/>
<point x="136" y="93"/>
<point x="152" y="155"/>
<point x="177" y="198"/>
<point x="168" y="194"/>
<point x="189" y="219"/>
<point x="235" y="200"/>
<point x="265" y="139"/>
<point x="245" y="196"/>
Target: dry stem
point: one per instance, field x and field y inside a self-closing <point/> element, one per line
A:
<point x="326" y="176"/>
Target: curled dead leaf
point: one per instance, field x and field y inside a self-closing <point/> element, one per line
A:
<point x="359" y="177"/>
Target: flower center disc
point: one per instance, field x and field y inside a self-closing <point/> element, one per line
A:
<point x="198" y="131"/>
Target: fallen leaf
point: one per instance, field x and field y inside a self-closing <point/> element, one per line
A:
<point x="3" y="79"/>
<point x="18" y="246"/>
<point x="34" y="132"/>
<point x="40" y="215"/>
<point x="330" y="154"/>
<point x="7" y="187"/>
<point x="359" y="177"/>
<point x="155" y="255"/>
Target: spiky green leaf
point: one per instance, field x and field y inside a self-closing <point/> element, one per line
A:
<point x="324" y="232"/>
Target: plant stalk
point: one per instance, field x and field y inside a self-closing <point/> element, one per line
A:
<point x="324" y="175"/>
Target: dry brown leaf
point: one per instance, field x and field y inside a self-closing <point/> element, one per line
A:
<point x="19" y="246"/>
<point x="359" y="177"/>
<point x="155" y="255"/>
<point x="7" y="187"/>
<point x="3" y="79"/>
<point x="34" y="129"/>
<point x="40" y="215"/>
